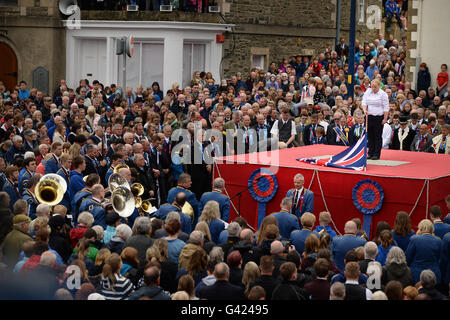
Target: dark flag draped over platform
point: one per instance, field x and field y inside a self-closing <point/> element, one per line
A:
<point x="354" y="157"/>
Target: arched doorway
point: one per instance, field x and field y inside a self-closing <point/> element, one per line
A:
<point x="8" y="67"/>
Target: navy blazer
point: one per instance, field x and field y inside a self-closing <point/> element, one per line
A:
<point x="308" y="202"/>
<point x="13" y="193"/>
<point x="341" y="245"/>
<point x="52" y="165"/>
<point x="287" y="223"/>
<point x="190" y="197"/>
<point x="424" y="252"/>
<point x="223" y="200"/>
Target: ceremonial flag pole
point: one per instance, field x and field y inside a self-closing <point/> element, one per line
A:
<point x="365" y="145"/>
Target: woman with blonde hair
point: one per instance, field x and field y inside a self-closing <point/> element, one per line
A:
<point x="37" y="118"/>
<point x="208" y="243"/>
<point x="196" y="78"/>
<point x="424" y="251"/>
<point x="113" y="286"/>
<point x="59" y="134"/>
<point x="74" y="150"/>
<point x="211" y="215"/>
<point x="171" y="120"/>
<point x="158" y="252"/>
<point x="100" y="259"/>
<point x="92" y="117"/>
<point x="251" y="272"/>
<point x="180" y="295"/>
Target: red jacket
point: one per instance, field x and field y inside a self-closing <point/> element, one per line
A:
<point x="31" y="263"/>
<point x="76" y="234"/>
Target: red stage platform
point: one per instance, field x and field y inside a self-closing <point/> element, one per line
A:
<point x="414" y="186"/>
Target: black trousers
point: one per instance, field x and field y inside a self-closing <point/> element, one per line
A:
<point x="374" y="135"/>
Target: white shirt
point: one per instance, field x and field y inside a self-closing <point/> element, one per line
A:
<point x="325" y="125"/>
<point x="297" y="192"/>
<point x="386" y="135"/>
<point x="377" y="103"/>
<point x="274" y="131"/>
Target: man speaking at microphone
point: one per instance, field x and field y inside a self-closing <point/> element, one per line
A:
<point x="375" y="104"/>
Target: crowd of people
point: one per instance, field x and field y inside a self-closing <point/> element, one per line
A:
<point x="189" y="248"/>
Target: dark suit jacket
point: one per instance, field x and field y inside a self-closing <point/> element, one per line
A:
<point x="338" y="49"/>
<point x="318" y="289"/>
<point x="269" y="283"/>
<point x="221" y="290"/>
<point x="145" y="178"/>
<point x="92" y="168"/>
<point x="352" y="136"/>
<point x="277" y="262"/>
<point x="331" y="136"/>
<point x="395" y="144"/>
<point x="307" y="133"/>
<point x="427" y="146"/>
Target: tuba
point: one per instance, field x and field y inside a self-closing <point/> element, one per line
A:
<point x="147" y="207"/>
<point x="120" y="166"/>
<point x="123" y="201"/>
<point x="116" y="180"/>
<point x="137" y="190"/>
<point x="50" y="189"/>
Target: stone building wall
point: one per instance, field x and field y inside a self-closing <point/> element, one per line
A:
<point x="34" y="31"/>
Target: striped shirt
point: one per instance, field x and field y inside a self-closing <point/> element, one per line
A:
<point x="121" y="290"/>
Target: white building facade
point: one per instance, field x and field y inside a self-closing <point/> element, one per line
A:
<point x="165" y="52"/>
<point x="429" y="42"/>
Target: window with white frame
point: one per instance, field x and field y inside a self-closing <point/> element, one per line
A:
<point x="193" y="60"/>
<point x="258" y="61"/>
<point x="146" y="65"/>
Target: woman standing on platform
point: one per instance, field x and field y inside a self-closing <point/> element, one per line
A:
<point x="375" y="103"/>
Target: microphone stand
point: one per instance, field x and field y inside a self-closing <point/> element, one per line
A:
<point x="239" y="194"/>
